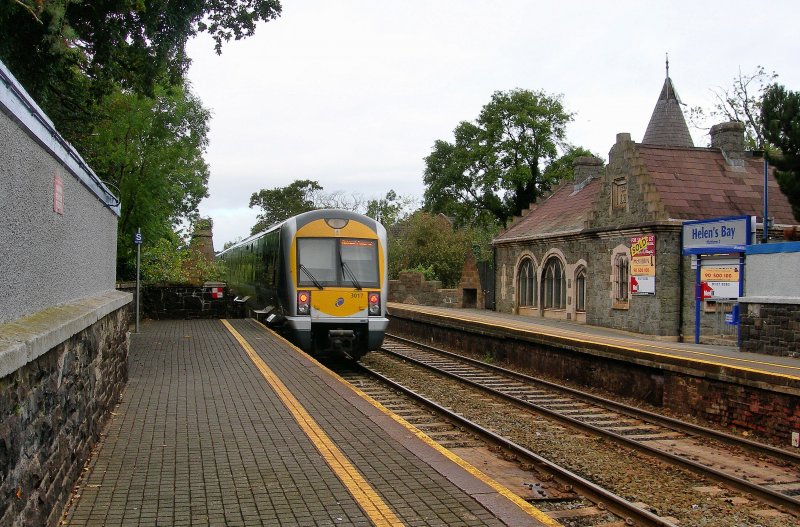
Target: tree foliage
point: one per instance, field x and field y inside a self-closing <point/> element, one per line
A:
<point x="781" y="120"/>
<point x="69" y="53"/>
<point x="170" y="261"/>
<point x="150" y="149"/>
<point x="280" y="203"/>
<point x="739" y="102"/>
<point x="428" y="241"/>
<point x="303" y="195"/>
<point x="390" y="209"/>
<point x="496" y="166"/>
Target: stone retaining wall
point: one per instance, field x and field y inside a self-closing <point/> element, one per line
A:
<point x="740" y="405"/>
<point x="52" y="411"/>
<point x="773" y="329"/>
<point x="164" y="302"/>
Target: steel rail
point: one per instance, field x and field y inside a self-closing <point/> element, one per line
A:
<point x="781" y="501"/>
<point x="630" y="513"/>
<point x="632" y="411"/>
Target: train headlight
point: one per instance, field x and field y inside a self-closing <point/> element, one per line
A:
<point x="303" y="302"/>
<point x="374" y="304"/>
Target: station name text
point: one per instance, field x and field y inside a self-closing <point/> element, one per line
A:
<point x="705" y="233"/>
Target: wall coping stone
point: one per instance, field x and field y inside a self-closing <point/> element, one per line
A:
<point x="769" y="300"/>
<point x="25" y="339"/>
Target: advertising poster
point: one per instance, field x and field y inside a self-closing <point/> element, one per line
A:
<point x="719" y="282"/>
<point x="643" y="265"/>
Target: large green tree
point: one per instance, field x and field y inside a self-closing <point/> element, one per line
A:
<point x="280" y="203"/>
<point x="781" y="119"/>
<point x="70" y="53"/>
<point x="151" y="150"/>
<point x="496" y="166"/>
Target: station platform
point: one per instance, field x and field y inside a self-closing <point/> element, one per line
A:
<point x="720" y="362"/>
<point x="225" y="423"/>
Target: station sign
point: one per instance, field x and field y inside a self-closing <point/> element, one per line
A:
<point x="722" y="235"/>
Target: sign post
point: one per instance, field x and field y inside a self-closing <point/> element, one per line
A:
<point x="137" y="239"/>
<point x="719" y="236"/>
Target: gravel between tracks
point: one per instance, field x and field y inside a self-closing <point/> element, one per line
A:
<point x="666" y="490"/>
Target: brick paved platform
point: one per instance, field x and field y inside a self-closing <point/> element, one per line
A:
<point x="202" y="438"/>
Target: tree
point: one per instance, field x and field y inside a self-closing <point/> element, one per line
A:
<point x="495" y="166"/>
<point x="390" y="209"/>
<point x="151" y="150"/>
<point x="69" y="53"/>
<point x="740" y="102"/>
<point x="780" y="114"/>
<point x="428" y="241"/>
<point x="281" y="203"/>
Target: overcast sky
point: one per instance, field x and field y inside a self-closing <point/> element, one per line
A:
<point x="354" y="93"/>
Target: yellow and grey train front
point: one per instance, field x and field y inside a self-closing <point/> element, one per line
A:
<point x="337" y="267"/>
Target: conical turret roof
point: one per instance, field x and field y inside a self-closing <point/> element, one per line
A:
<point x="667" y="126"/>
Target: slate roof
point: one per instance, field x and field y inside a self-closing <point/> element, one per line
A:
<point x="565" y="211"/>
<point x="698" y="184"/>
<point x="667" y="126"/>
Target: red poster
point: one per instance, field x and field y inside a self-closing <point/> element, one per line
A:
<point x="58" y="194"/>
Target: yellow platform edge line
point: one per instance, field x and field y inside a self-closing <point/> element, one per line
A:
<point x="368" y="499"/>
<point x="613" y="341"/>
<point x="477" y="473"/>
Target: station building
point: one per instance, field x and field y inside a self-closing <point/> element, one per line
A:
<point x="569" y="255"/>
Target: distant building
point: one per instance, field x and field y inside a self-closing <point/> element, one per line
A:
<point x="569" y="255"/>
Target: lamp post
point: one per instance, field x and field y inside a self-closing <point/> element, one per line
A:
<point x="765" y="233"/>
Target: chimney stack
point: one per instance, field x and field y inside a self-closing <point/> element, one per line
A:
<point x="729" y="137"/>
<point x="585" y="168"/>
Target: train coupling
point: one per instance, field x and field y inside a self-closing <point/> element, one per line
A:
<point x="342" y="339"/>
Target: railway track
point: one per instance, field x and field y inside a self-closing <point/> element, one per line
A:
<point x="571" y="499"/>
<point x="769" y="474"/>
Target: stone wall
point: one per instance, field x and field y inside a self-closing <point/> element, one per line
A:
<point x="740" y="404"/>
<point x="52" y="411"/>
<point x="770" y="309"/>
<point x="161" y="302"/>
<point x="657" y="314"/>
<point x="773" y="329"/>
<point x="412" y="288"/>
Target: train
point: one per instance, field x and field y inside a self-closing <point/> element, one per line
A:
<point x="320" y="278"/>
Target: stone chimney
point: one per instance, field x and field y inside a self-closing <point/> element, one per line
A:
<point x="729" y="137"/>
<point x="585" y="169"/>
<point x="202" y="240"/>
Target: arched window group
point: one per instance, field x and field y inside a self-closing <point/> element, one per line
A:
<point x="580" y="289"/>
<point x="621" y="278"/>
<point x="527" y="284"/>
<point x="554" y="295"/>
<point x="552" y="289"/>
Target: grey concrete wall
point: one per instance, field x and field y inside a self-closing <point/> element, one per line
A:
<point x="774" y="274"/>
<point x="47" y="258"/>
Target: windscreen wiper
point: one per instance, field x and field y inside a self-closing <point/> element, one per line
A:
<point x="305" y="270"/>
<point x="351" y="273"/>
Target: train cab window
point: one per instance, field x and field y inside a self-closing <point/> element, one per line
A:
<point x="316" y="260"/>
<point x="360" y="257"/>
<point x="336" y="262"/>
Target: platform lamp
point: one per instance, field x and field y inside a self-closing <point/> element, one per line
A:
<point x="766" y="225"/>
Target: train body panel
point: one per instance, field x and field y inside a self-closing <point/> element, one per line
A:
<point x="322" y="275"/>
